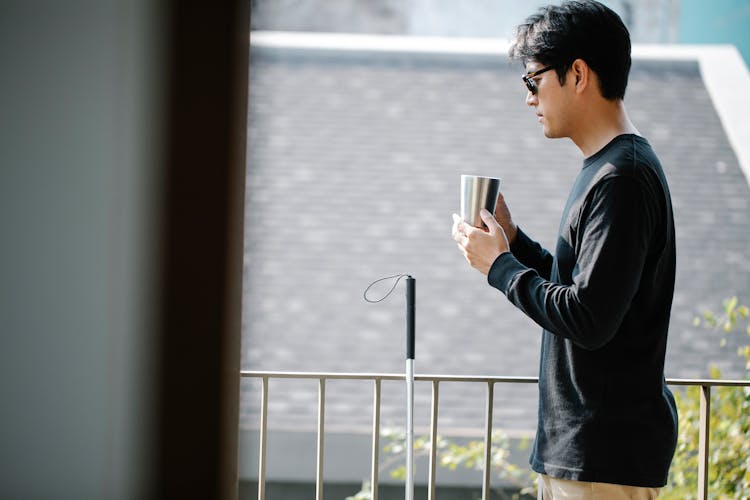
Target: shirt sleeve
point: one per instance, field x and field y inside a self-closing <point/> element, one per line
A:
<point x="532" y="254"/>
<point x="616" y="222"/>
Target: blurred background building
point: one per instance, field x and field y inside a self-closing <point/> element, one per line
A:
<point x="649" y="21"/>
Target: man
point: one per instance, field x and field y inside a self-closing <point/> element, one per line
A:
<point x="607" y="423"/>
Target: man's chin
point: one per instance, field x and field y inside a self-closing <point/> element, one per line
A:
<point x="550" y="134"/>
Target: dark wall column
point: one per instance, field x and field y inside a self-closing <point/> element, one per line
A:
<point x="202" y="248"/>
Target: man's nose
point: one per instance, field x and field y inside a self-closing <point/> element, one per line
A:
<point x="531" y="99"/>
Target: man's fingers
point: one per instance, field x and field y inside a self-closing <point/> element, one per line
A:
<point x="460" y="230"/>
<point x="465" y="254"/>
<point x="461" y="239"/>
<point x="454" y="229"/>
<point x="500" y="199"/>
<point x="456" y="235"/>
<point x="489" y="220"/>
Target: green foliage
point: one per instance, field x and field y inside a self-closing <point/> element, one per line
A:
<point x="729" y="442"/>
<point x="453" y="455"/>
<point x="363" y="494"/>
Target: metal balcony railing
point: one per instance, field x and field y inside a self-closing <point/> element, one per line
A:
<point x="436" y="380"/>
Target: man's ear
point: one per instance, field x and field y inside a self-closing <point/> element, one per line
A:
<point x="581" y="73"/>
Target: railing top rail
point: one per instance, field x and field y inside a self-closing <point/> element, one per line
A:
<point x="709" y="382"/>
<point x="460" y="378"/>
<point x="320" y="375"/>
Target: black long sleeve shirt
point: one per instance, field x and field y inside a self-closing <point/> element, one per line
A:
<point x="603" y="301"/>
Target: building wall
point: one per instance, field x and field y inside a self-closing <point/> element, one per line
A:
<point x="77" y="151"/>
<point x="648" y="20"/>
<point x="722" y="21"/>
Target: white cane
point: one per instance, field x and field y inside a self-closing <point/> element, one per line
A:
<point x="410" y="295"/>
<point x="410" y="298"/>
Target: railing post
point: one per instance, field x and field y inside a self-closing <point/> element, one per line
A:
<point x="262" y="443"/>
<point x="433" y="441"/>
<point x="375" y="441"/>
<point x="703" y="441"/>
<point x="321" y="439"/>
<point x="488" y="442"/>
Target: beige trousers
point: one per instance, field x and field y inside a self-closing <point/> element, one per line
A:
<point x="556" y="489"/>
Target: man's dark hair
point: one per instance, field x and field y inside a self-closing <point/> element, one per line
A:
<point x="557" y="35"/>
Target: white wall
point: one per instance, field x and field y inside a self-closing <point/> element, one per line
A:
<point x="79" y="129"/>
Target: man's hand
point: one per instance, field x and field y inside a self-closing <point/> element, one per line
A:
<point x="481" y="248"/>
<point x="502" y="215"/>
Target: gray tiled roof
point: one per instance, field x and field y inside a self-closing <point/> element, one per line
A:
<point x="353" y="172"/>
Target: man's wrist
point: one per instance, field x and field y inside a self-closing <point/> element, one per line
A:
<point x="512" y="234"/>
<point x="503" y="270"/>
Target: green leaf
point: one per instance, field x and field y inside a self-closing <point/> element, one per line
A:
<point x="730" y="305"/>
<point x="399" y="473"/>
<point x="709" y="317"/>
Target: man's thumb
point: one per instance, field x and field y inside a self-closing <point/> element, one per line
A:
<point x="489" y="220"/>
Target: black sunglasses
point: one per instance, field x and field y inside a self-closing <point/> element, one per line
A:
<point x="528" y="79"/>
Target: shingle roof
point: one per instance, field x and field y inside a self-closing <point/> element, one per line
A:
<point x="354" y="162"/>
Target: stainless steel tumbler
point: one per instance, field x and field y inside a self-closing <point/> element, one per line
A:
<point x="478" y="192"/>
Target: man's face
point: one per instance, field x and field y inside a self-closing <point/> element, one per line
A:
<point x="550" y="101"/>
